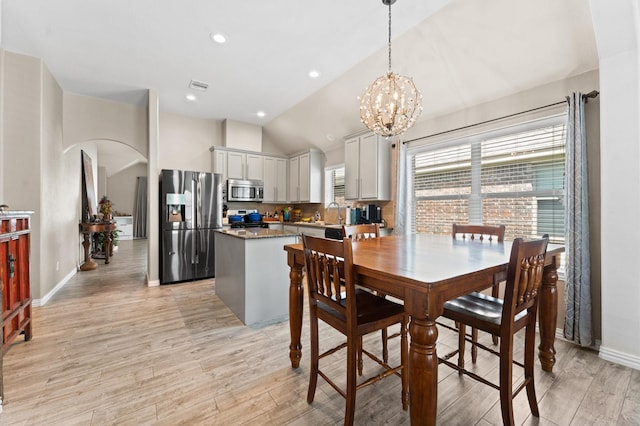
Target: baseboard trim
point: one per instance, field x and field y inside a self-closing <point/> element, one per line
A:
<point x="152" y="283"/>
<point x="618" y="357"/>
<point x="43" y="300"/>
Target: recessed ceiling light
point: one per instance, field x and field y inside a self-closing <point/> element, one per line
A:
<point x="218" y="38"/>
<point x="191" y="97"/>
<point x="314" y="74"/>
<point x="261" y="114"/>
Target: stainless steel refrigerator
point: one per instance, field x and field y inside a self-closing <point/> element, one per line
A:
<point x="191" y="211"/>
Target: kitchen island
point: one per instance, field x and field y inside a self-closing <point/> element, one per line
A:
<point x="252" y="277"/>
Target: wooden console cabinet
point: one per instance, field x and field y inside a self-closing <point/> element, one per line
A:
<point x="15" y="234"/>
<point x="15" y="240"/>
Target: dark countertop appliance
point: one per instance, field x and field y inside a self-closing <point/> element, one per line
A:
<point x="372" y="213"/>
<point x="190" y="212"/>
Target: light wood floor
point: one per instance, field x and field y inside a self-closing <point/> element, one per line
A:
<point x="108" y="350"/>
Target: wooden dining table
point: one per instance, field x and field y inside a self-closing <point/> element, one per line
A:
<point x="425" y="271"/>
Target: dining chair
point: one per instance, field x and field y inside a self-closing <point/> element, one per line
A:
<point x="335" y="299"/>
<point x="361" y="231"/>
<point x="483" y="233"/>
<point x="367" y="231"/>
<point x="505" y="317"/>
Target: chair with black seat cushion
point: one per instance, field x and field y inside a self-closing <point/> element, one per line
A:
<point x="504" y="318"/>
<point x="365" y="231"/>
<point x="334" y="299"/>
<point x="483" y="233"/>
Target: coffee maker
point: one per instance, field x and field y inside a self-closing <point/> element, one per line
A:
<point x="372" y="213"/>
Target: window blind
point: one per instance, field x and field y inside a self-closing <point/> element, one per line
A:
<point x="513" y="177"/>
<point x="334" y="184"/>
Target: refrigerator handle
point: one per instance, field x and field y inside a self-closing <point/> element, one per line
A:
<point x="195" y="201"/>
<point x="195" y="197"/>
<point x="194" y="248"/>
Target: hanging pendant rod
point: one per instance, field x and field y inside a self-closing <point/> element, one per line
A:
<point x="592" y="94"/>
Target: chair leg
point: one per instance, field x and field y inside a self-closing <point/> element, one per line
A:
<point x="506" y="385"/>
<point x="474" y="348"/>
<point x="313" y="373"/>
<point x="385" y="350"/>
<point x="495" y="292"/>
<point x="354" y="346"/>
<point x="404" y="359"/>
<point x="360" y="362"/>
<point x="461" y="344"/>
<point x="529" y="361"/>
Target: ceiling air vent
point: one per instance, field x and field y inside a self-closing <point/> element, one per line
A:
<point x="198" y="85"/>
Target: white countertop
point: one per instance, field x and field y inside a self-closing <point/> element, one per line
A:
<point x="252" y="233"/>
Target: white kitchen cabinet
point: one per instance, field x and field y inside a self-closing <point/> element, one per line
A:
<point x="314" y="231"/>
<point x="125" y="226"/>
<point x="275" y="180"/>
<point x="219" y="162"/>
<point x="233" y="164"/>
<point x="276" y="225"/>
<point x="241" y="165"/>
<point x="367" y="169"/>
<point x="305" y="177"/>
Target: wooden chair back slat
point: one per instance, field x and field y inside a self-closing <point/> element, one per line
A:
<point x="524" y="276"/>
<point x="361" y="231"/>
<point x="478" y="232"/>
<point x="329" y="264"/>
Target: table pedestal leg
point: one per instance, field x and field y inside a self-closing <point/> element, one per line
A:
<point x="88" y="264"/>
<point x="548" y="315"/>
<point x="423" y="372"/>
<point x="108" y="248"/>
<point x="295" y="311"/>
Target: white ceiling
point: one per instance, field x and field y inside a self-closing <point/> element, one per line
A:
<point x="459" y="52"/>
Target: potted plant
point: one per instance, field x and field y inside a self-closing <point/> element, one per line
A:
<point x="101" y="238"/>
<point x="105" y="208"/>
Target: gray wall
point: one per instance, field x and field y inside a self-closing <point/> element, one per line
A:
<point x="121" y="188"/>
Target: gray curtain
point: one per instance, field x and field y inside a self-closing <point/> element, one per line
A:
<point x="577" y="325"/>
<point x="140" y="208"/>
<point x="400" y="227"/>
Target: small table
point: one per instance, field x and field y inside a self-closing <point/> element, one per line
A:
<point x="88" y="228"/>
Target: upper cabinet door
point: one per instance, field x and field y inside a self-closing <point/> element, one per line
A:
<point x="236" y="165"/>
<point x="294" y="179"/>
<point x="281" y="180"/>
<point x="219" y="160"/>
<point x="254" y="167"/>
<point x="305" y="177"/>
<point x="352" y="169"/>
<point x="369" y="168"/>
<point x="367" y="171"/>
<point x="275" y="179"/>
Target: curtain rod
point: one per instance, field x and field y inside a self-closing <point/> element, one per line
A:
<point x="585" y="97"/>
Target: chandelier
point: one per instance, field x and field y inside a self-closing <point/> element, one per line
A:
<point x="392" y="103"/>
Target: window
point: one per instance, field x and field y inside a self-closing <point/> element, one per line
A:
<point x="334" y="185"/>
<point x="513" y="176"/>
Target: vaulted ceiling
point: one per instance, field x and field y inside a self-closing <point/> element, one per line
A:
<point x="459" y="53"/>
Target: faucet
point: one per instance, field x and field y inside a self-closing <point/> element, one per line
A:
<point x="333" y="203"/>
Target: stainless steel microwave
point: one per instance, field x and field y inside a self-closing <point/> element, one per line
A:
<point x="245" y="190"/>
